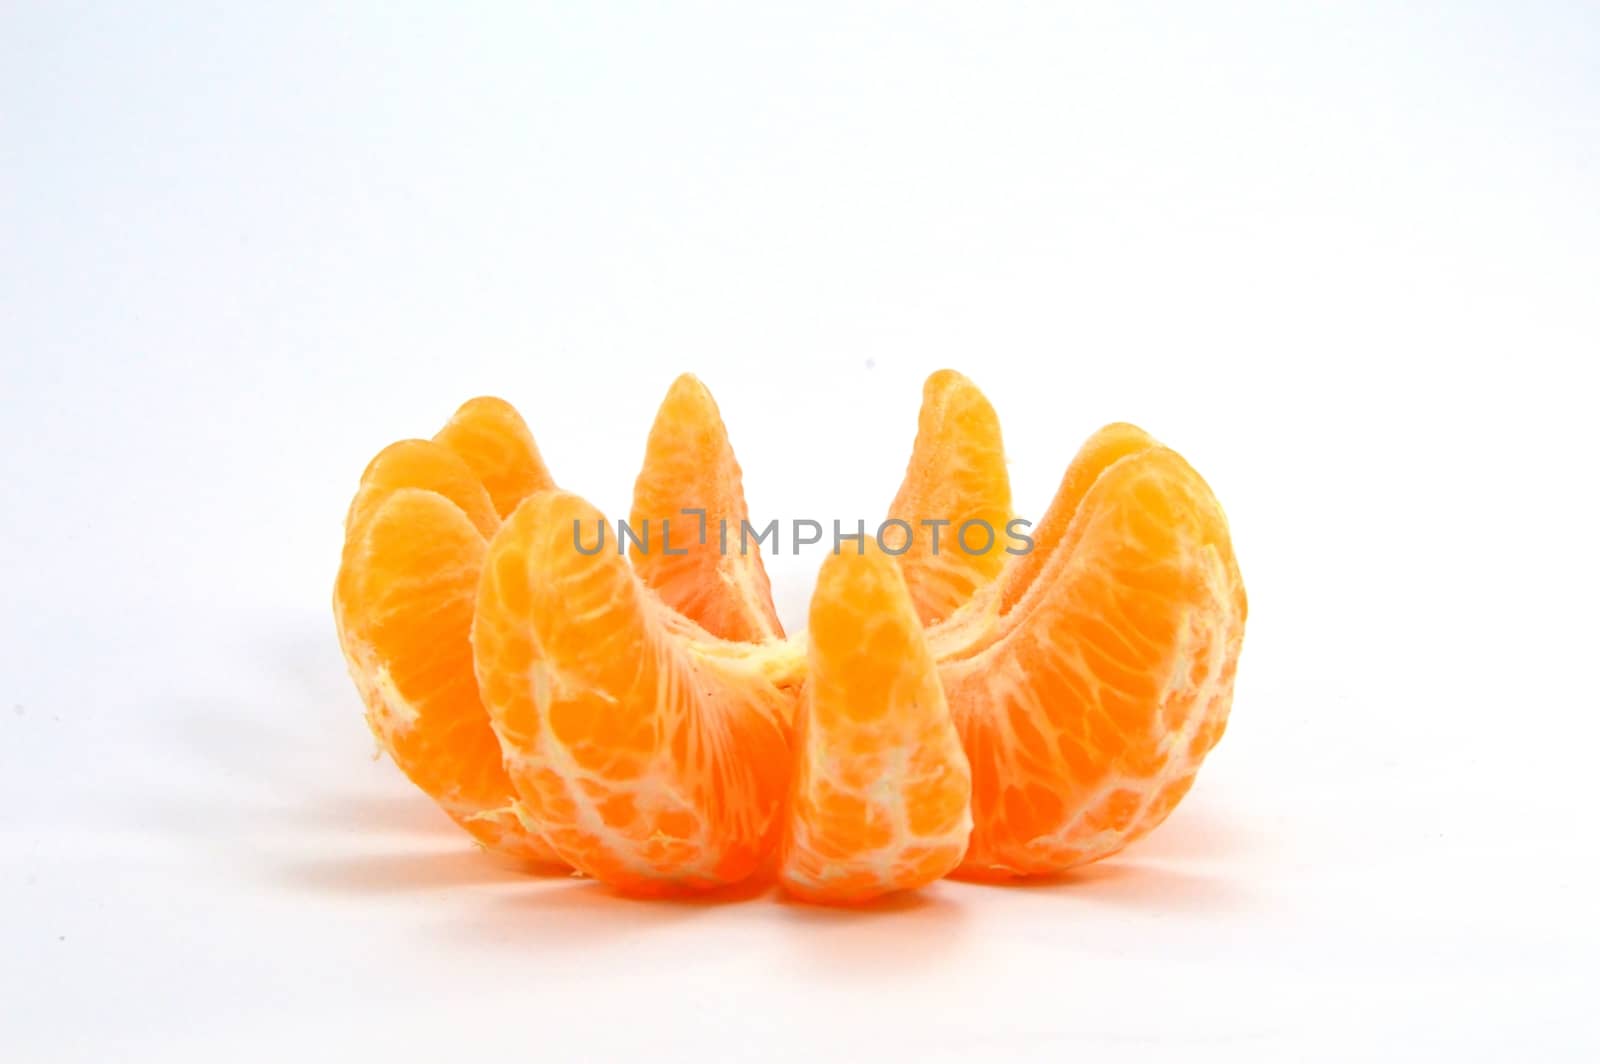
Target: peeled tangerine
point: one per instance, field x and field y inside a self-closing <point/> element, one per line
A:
<point x="644" y="720"/>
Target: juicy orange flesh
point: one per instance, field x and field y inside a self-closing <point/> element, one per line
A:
<point x="880" y="795"/>
<point x="415" y="537"/>
<point x="646" y="763"/>
<point x="1095" y="698"/>
<point x="420" y="464"/>
<point x="689" y="465"/>
<point x="1105" y="447"/>
<point x="405" y="599"/>
<point x="971" y="628"/>
<point x="957" y="475"/>
<point x="492" y="439"/>
<point x="657" y="732"/>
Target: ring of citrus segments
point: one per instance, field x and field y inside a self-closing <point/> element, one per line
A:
<point x="1085" y="680"/>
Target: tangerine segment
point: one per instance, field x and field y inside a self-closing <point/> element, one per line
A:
<point x="403" y="604"/>
<point x="651" y="759"/>
<point x="957" y="475"/>
<point x="881" y="791"/>
<point x="1111" y="443"/>
<point x="702" y="563"/>
<point x="406" y="464"/>
<point x="1091" y="703"/>
<point x="419" y="464"/>
<point x="492" y="439"/>
<point x="975" y="625"/>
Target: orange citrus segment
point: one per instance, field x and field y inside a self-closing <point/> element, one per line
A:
<point x="1087" y="708"/>
<point x="648" y="761"/>
<point x="973" y="626"/>
<point x="879" y="800"/>
<point x="492" y="439"/>
<point x="957" y="475"/>
<point x="1106" y="446"/>
<point x="420" y="464"/>
<point x="700" y="562"/>
<point x="403" y="602"/>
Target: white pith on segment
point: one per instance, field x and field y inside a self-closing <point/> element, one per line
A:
<point x="392" y="715"/>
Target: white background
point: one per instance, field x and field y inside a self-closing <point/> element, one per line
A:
<point x="1347" y="261"/>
